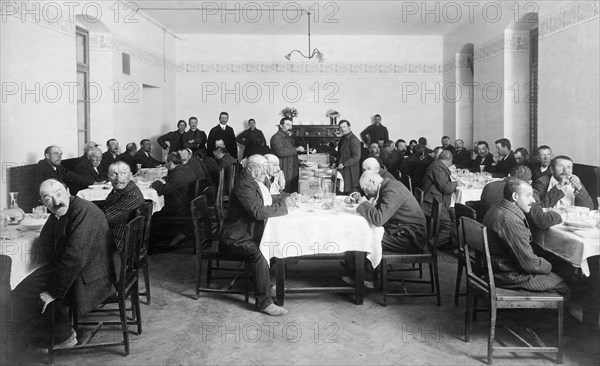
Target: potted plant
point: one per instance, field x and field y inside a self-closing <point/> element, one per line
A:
<point x="333" y="116"/>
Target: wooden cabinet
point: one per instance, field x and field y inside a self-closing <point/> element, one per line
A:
<point x="314" y="135"/>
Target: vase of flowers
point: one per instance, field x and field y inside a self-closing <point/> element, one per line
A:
<point x="289" y="112"/>
<point x="333" y="116"/>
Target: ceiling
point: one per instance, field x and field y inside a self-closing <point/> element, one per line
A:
<point x="328" y="17"/>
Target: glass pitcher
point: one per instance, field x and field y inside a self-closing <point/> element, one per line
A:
<point x="14" y="213"/>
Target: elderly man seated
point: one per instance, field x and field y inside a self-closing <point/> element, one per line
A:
<point x="515" y="264"/>
<point x="129" y="156"/>
<point x="197" y="166"/>
<point x="275" y="178"/>
<point x="89" y="170"/>
<point x="176" y="190"/>
<point x="224" y="159"/>
<point x="389" y="203"/>
<point x="562" y="188"/>
<point x="81" y="264"/>
<point x="249" y="206"/>
<point x="121" y="203"/>
<point x="372" y="164"/>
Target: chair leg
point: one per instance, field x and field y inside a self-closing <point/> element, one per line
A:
<point x="420" y="270"/>
<point x="459" y="270"/>
<point x="492" y="334"/>
<point x="51" y="331"/>
<point x="436" y="279"/>
<point x="431" y="281"/>
<point x="208" y="273"/>
<point x="123" y="315"/>
<point x="468" y="317"/>
<point x="147" y="281"/>
<point x="136" y="303"/>
<point x="384" y="282"/>
<point x="247" y="284"/>
<point x="475" y="304"/>
<point x="198" y="277"/>
<point x="559" y="354"/>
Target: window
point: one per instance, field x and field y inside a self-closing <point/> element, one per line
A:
<point x="83" y="79"/>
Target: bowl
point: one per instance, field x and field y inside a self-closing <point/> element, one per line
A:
<point x="33" y="224"/>
<point x="351" y="207"/>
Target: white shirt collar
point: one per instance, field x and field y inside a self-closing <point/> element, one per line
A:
<point x="223" y="127"/>
<point x="266" y="195"/>
<point x="568" y="199"/>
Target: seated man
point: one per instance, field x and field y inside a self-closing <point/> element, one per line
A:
<point x="515" y="265"/>
<point x="504" y="161"/>
<point x="462" y="157"/>
<point x="275" y="179"/>
<point x="224" y="159"/>
<point x="439" y="185"/>
<point x="250" y="204"/>
<point x="129" y="156"/>
<point x="89" y="169"/>
<point x="121" y="203"/>
<point x="50" y="168"/>
<point x="374" y="150"/>
<point x="542" y="166"/>
<point x="483" y="157"/>
<point x="81" y="262"/>
<point x="373" y="165"/>
<point x="493" y="193"/>
<point x="176" y="189"/>
<point x="197" y="166"/>
<point x="562" y="188"/>
<point x="143" y="155"/>
<point x="391" y="205"/>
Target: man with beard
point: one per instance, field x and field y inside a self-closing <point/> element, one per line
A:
<point x="283" y="146"/>
<point x="194" y="139"/>
<point x="462" y="158"/>
<point x="483" y="157"/>
<point x="348" y="163"/>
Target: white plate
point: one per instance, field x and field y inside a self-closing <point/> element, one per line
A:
<point x="96" y="186"/>
<point x="580" y="224"/>
<point x="572" y="228"/>
<point x="33" y="224"/>
<point x="351" y="208"/>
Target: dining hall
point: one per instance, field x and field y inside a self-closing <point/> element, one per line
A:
<point x="190" y="182"/>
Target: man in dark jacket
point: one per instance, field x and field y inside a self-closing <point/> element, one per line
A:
<point x="375" y="132"/>
<point x="110" y="156"/>
<point x="90" y="170"/>
<point x="348" y="162"/>
<point x="250" y="137"/>
<point x="143" y="155"/>
<point x="484" y="157"/>
<point x="51" y="168"/>
<point x="81" y="261"/>
<point x="249" y="206"/>
<point x="505" y="160"/>
<point x="129" y="156"/>
<point x="462" y="158"/>
<point x="174" y="140"/>
<point x="225" y="133"/>
<point x="194" y="139"/>
<point x="283" y="147"/>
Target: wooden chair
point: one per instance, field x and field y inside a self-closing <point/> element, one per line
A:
<point x="127" y="287"/>
<point x="429" y="257"/>
<point x="480" y="283"/>
<point x="220" y="193"/>
<point x="476" y="206"/>
<point x="8" y="341"/>
<point x="146" y="212"/>
<point x="207" y="249"/>
<point x="461" y="210"/>
<point x="202" y="183"/>
<point x="419" y="194"/>
<point x="407" y="181"/>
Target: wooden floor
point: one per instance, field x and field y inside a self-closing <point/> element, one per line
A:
<point x="320" y="329"/>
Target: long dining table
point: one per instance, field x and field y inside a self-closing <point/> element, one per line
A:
<point x="22" y="246"/>
<point x="312" y="232"/>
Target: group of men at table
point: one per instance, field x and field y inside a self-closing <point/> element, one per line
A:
<point x="81" y="239"/>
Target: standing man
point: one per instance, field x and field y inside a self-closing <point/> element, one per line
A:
<point x="80" y="260"/>
<point x="515" y="265"/>
<point x="129" y="156"/>
<point x="348" y="163"/>
<point x="375" y="132"/>
<point x="462" y="158"/>
<point x="505" y="159"/>
<point x="225" y="133"/>
<point x="110" y="156"/>
<point x="194" y="139"/>
<point x="282" y="145"/>
<point x="174" y="140"/>
<point x="438" y="185"/>
<point x="143" y="155"/>
<point x="250" y="137"/>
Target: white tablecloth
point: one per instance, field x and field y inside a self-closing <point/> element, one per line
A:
<point x="574" y="247"/>
<point x="23" y="249"/>
<point x="320" y="232"/>
<point x="89" y="194"/>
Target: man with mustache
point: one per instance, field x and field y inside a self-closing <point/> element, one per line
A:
<point x="562" y="188"/>
<point x="515" y="265"/>
<point x="121" y="203"/>
<point x="80" y="260"/>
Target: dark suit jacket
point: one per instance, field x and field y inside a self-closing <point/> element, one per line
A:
<point x="78" y="246"/>
<point x="373" y="133"/>
<point x="62" y="174"/>
<point x="119" y="208"/>
<point x="502" y="169"/>
<point x="550" y="198"/>
<point x="249" y="138"/>
<point x="226" y="161"/>
<point x="107" y="159"/>
<point x="86" y="170"/>
<point x="493" y="193"/>
<point x="349" y="148"/>
<point x="177" y="190"/>
<point x="488" y="161"/>
<point x="438" y="184"/>
<point x="396" y="209"/>
<point x="228" y="137"/>
<point x="462" y="159"/>
<point x="198" y="167"/>
<point x="283" y="146"/>
<point x="536" y="171"/>
<point x="175" y="140"/>
<point x="130" y="160"/>
<point x="199" y="138"/>
<point x="247" y="213"/>
<point x="514" y="263"/>
<point x="147" y="161"/>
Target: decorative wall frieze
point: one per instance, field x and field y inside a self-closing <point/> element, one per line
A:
<point x="309" y="68"/>
<point x="489" y="48"/>
<point x="574" y="14"/>
<point x="517" y="41"/>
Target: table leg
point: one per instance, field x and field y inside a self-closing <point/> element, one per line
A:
<point x="591" y="303"/>
<point x="360" y="277"/>
<point x="280" y="280"/>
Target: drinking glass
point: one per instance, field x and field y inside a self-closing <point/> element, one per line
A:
<point x="460" y="173"/>
<point x="481" y="168"/>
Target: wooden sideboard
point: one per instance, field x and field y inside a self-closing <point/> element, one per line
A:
<point x="314" y="135"/>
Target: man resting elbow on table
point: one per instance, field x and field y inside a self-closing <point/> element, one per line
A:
<point x="391" y="205"/>
<point x="250" y="204"/>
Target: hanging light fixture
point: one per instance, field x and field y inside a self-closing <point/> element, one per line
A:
<point x="313" y="53"/>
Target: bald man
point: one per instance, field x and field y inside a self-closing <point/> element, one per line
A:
<point x="390" y="204"/>
<point x="81" y="261"/>
<point x="371" y="164"/>
<point x="121" y="203"/>
<point x="90" y="170"/>
<point x="250" y="204"/>
<point x="275" y="177"/>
